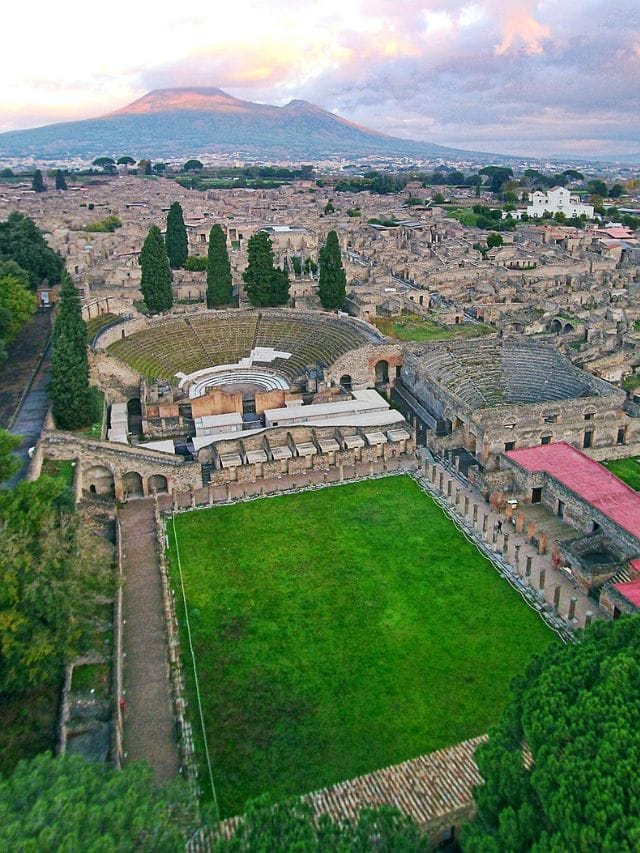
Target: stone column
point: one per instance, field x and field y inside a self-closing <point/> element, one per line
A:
<point x="516" y="555"/>
<point x="541" y="580"/>
<point x="572" y="608"/>
<point x="449" y="487"/>
<point x="485" y="522"/>
<point x="505" y="543"/>
<point x="519" y="523"/>
<point x="475" y="513"/>
<point x="542" y="543"/>
<point x="531" y="529"/>
<point x="466" y="504"/>
<point x="556" y="598"/>
<point x="441" y="482"/>
<point x="588" y="616"/>
<point x="527" y="568"/>
<point x="458" y="492"/>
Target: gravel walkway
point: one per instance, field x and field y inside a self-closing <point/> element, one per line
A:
<point x="149" y="730"/>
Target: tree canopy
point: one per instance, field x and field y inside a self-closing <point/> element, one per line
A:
<point x="17" y="304"/>
<point x="67" y="803"/>
<point x="219" y="281"/>
<point x="333" y="280"/>
<point x="577" y="710"/>
<point x="125" y="161"/>
<point x="265" y="284"/>
<point x="291" y="826"/>
<point x="176" y="240"/>
<point x="21" y="241"/>
<point x="9" y="463"/>
<point x="498" y="176"/>
<point x="73" y="402"/>
<point x="61" y="181"/>
<point x="37" y="184"/>
<point x="156" y="278"/>
<point x="192" y="166"/>
<point x="47" y="562"/>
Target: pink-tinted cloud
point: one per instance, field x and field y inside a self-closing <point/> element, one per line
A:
<point x="512" y="75"/>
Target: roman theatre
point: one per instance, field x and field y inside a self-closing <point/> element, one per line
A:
<point x="214" y="400"/>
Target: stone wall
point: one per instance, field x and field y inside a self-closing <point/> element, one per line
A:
<point x="360" y="364"/>
<point x="117" y="471"/>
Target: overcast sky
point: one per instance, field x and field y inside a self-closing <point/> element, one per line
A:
<point x="513" y="76"/>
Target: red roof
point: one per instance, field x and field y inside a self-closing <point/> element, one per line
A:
<point x="586" y="478"/>
<point x="630" y="590"/>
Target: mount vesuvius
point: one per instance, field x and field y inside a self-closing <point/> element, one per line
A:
<point x="193" y="121"/>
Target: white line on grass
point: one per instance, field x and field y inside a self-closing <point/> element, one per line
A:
<point x="195" y="670"/>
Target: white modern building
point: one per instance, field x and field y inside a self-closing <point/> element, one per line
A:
<point x="558" y="200"/>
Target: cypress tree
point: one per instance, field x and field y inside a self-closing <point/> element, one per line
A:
<point x="74" y="404"/>
<point x="61" y="183"/>
<point x="219" y="282"/>
<point x="156" y="273"/>
<point x="37" y="184"/>
<point x="333" y="280"/>
<point x="265" y="284"/>
<point x="177" y="243"/>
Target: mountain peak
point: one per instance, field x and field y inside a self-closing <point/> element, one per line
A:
<point x="189" y="98"/>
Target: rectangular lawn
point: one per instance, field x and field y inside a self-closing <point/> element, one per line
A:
<point x="339" y="631"/>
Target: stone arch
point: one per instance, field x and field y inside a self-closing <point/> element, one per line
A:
<point x="134" y="406"/>
<point x="158" y="484"/>
<point x="132" y="485"/>
<point x="568" y="328"/>
<point x="99" y="480"/>
<point x="345" y="381"/>
<point x="382" y="372"/>
<point x="555" y="325"/>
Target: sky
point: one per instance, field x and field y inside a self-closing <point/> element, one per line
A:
<point x="508" y="76"/>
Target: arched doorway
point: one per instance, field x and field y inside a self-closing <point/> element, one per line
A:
<point x="158" y="484"/>
<point x="98" y="480"/>
<point x="382" y="372"/>
<point x="345" y="382"/>
<point x="134" y="406"/>
<point x="568" y="328"/>
<point x="132" y="485"/>
<point x="556" y="326"/>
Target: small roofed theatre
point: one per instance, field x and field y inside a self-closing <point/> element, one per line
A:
<point x="479" y="398"/>
<point x="593" y="519"/>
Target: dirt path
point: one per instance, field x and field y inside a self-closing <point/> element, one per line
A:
<point x="149" y="731"/>
<point x="30" y="418"/>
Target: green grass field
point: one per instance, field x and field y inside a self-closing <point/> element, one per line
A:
<point x="410" y="327"/>
<point x="340" y="631"/>
<point x="627" y="470"/>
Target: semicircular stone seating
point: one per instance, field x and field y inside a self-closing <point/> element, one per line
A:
<point x="488" y="373"/>
<point x="204" y="340"/>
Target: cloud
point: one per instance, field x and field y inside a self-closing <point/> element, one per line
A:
<point x="504" y="75"/>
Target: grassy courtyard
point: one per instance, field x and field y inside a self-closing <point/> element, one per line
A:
<point x="411" y="327"/>
<point x="340" y="631"/>
<point x="627" y="470"/>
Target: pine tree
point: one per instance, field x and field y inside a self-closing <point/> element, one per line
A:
<point x="265" y="284"/>
<point x="37" y="184"/>
<point x="176" y="241"/>
<point x="74" y="404"/>
<point x="219" y="282"/>
<point x="156" y="273"/>
<point x="333" y="281"/>
<point x="61" y="183"/>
